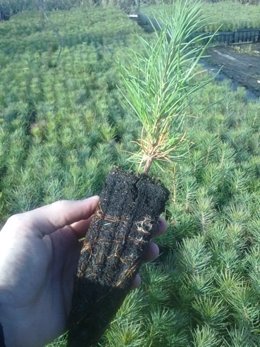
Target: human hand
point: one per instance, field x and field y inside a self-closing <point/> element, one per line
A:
<point x="39" y="254"/>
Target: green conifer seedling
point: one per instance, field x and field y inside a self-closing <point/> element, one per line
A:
<point x="157" y="87"/>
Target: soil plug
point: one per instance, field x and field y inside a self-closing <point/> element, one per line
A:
<point x="122" y="227"/>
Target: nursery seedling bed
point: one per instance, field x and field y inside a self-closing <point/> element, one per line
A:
<point x="120" y="230"/>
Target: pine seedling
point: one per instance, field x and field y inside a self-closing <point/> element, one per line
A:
<point x="158" y="325"/>
<point x="253" y="263"/>
<point x="211" y="311"/>
<point x="205" y="337"/>
<point x="156" y="87"/>
<point x="126" y="335"/>
<point x="159" y="82"/>
<point x="157" y="286"/>
<point x="203" y="210"/>
<point x="238" y="337"/>
<point x="194" y="256"/>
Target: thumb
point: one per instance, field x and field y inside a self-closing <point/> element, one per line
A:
<point x="51" y="217"/>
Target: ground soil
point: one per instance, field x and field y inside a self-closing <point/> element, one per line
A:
<point x="241" y="63"/>
<point x="112" y="253"/>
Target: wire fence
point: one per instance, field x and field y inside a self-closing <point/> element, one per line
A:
<point x="227" y="37"/>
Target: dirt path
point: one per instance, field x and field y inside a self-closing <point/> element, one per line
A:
<point x="243" y="68"/>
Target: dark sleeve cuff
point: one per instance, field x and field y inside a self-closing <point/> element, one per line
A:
<point x="2" y="340"/>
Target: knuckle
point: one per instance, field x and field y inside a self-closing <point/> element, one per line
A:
<point x="60" y="204"/>
<point x="16" y="219"/>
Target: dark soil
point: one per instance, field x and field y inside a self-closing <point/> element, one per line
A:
<point x="112" y="254"/>
<point x="244" y="68"/>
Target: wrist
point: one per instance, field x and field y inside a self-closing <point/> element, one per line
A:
<point x="2" y="340"/>
<point x="7" y="329"/>
<point x="11" y="333"/>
